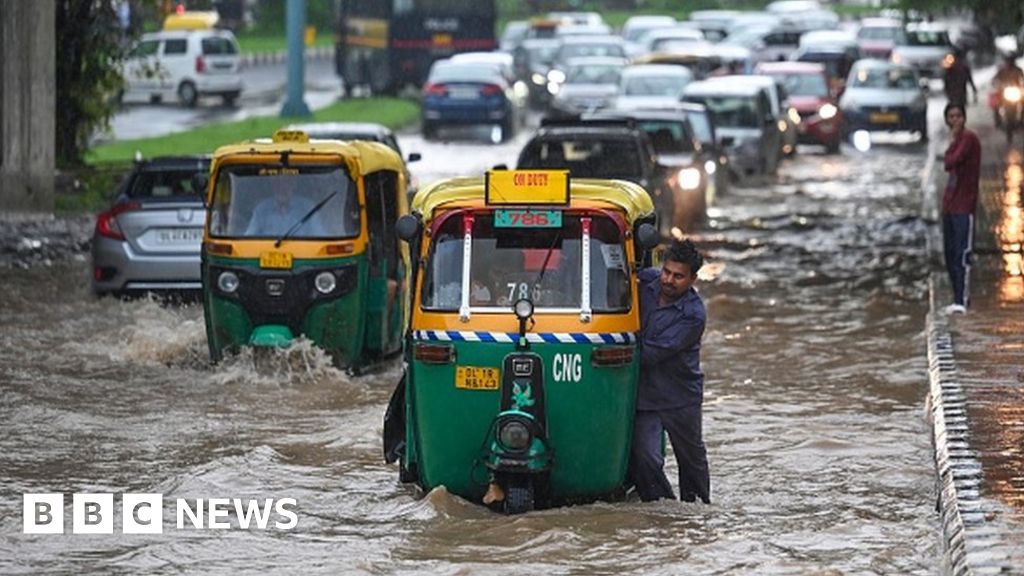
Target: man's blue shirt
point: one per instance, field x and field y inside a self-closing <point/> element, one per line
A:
<point x="670" y="336"/>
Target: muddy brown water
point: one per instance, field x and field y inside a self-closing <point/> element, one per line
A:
<point x="815" y="424"/>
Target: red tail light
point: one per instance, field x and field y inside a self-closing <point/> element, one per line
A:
<point x="434" y="353"/>
<point x="200" y="65"/>
<point x="106" y="223"/>
<point x="490" y="90"/>
<point x="435" y="90"/>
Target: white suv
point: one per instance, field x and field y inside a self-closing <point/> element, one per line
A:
<point x="186" y="64"/>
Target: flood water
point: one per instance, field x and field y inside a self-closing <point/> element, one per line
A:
<point x="814" y="419"/>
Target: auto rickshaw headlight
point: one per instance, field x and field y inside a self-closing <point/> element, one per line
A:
<point x="514" y="435"/>
<point x="227" y="282"/>
<point x="325" y="282"/>
<point x="523" y="309"/>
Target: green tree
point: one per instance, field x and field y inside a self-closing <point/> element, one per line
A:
<point x="90" y="44"/>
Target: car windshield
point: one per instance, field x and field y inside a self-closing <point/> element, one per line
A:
<point x="593" y="74"/>
<point x="568" y="51"/>
<point x="927" y="38"/>
<point x="655" y="85"/>
<point x="588" y="158"/>
<point x="732" y="111"/>
<point x="464" y="72"/>
<point x="700" y="123"/>
<point x="157" y="184"/>
<point x="880" y="33"/>
<point x="218" y="46"/>
<point x="805" y="85"/>
<point x="542" y="54"/>
<point x="261" y="201"/>
<point x="545" y="266"/>
<point x="884" y="78"/>
<point x="668" y="136"/>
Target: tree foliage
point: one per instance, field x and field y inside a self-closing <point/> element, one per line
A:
<point x="89" y="45"/>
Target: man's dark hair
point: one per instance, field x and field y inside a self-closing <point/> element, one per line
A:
<point x="951" y="106"/>
<point x="684" y="252"/>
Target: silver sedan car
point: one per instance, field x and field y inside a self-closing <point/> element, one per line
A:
<point x="150" y="237"/>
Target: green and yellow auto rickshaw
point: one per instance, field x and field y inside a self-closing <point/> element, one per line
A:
<point x="300" y="240"/>
<point x="522" y="361"/>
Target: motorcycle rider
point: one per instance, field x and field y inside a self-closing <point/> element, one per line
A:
<point x="1009" y="74"/>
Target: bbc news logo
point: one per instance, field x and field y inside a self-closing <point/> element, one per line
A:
<point x="144" y="513"/>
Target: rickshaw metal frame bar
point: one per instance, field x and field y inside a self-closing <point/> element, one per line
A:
<point x="585" y="310"/>
<point x="467" y="255"/>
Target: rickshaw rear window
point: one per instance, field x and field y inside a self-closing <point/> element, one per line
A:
<point x="543" y="264"/>
<point x="268" y="201"/>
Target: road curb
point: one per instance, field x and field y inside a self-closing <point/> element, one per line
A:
<point x="255" y="59"/>
<point x="958" y="472"/>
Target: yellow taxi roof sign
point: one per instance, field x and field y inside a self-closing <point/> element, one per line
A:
<point x="193" y="20"/>
<point x="527" y="187"/>
<point x="291" y="136"/>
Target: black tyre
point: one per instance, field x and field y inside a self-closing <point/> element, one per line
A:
<point x="429" y="130"/>
<point x="519" y="496"/>
<point x="832" y="147"/>
<point x="229" y="98"/>
<point x="188" y="94"/>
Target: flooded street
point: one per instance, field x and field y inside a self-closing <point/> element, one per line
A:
<point x="814" y="414"/>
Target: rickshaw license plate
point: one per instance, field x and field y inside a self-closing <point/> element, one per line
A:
<point x="527" y="219"/>
<point x="477" y="378"/>
<point x="885" y="117"/>
<point x="280" y="260"/>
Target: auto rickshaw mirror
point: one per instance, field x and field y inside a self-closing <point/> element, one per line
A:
<point x="647" y="236"/>
<point x="408" y="227"/>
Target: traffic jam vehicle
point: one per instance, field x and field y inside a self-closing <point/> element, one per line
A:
<point x="300" y="241"/>
<point x="521" y="359"/>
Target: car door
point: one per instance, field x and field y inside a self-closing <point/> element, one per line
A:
<point x="141" y="68"/>
<point x="175" y="62"/>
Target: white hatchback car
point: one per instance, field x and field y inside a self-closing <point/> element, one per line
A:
<point x="185" y="64"/>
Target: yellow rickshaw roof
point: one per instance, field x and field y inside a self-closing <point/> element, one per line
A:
<point x="630" y="197"/>
<point x="368" y="156"/>
<point x="192" y="20"/>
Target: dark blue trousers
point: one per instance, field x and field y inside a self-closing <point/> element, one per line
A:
<point x="647" y="464"/>
<point x="957" y="243"/>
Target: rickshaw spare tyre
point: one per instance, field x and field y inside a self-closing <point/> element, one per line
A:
<point x="519" y="495"/>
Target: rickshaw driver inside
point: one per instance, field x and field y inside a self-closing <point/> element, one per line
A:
<point x="276" y="214"/>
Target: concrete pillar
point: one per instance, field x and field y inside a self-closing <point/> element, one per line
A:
<point x="27" y="105"/>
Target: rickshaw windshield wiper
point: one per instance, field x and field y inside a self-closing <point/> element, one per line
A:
<point x="303" y="220"/>
<point x="547" y="258"/>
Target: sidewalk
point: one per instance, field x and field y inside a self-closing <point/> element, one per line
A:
<point x="251" y="59"/>
<point x="976" y="368"/>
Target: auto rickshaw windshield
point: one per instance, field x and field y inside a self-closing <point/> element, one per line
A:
<point x="545" y="265"/>
<point x="303" y="202"/>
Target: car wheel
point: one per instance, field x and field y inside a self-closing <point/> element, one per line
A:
<point x="188" y="94"/>
<point x="832" y="147"/>
<point x="429" y="131"/>
<point x="230" y="98"/>
<point x="508" y="127"/>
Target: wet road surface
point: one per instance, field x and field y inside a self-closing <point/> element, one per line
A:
<point x="814" y="414"/>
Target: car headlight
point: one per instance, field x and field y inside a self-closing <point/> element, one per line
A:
<point x="514" y="435"/>
<point x="556" y="76"/>
<point x="794" y="115"/>
<point x="896" y="58"/>
<point x="710" y="167"/>
<point x="554" y="88"/>
<point x="227" y="282"/>
<point x="689" y="178"/>
<point x="827" y="111"/>
<point x="538" y="79"/>
<point x="325" y="282"/>
<point x="783" y="126"/>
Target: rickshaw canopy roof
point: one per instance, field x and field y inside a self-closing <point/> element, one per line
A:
<point x="363" y="157"/>
<point x="458" y="192"/>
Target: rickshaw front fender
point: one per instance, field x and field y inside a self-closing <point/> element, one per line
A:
<point x="271" y="336"/>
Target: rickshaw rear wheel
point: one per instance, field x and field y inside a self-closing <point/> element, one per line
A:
<point x="519" y="496"/>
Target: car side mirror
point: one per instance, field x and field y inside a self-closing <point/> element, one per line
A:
<point x="414" y="157"/>
<point x="647" y="236"/>
<point x="408" y="227"/>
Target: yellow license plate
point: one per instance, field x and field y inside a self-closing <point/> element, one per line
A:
<point x="280" y="260"/>
<point x="885" y="117"/>
<point x="476" y="378"/>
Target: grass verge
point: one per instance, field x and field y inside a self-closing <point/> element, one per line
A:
<point x="391" y="112"/>
<point x="254" y="42"/>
